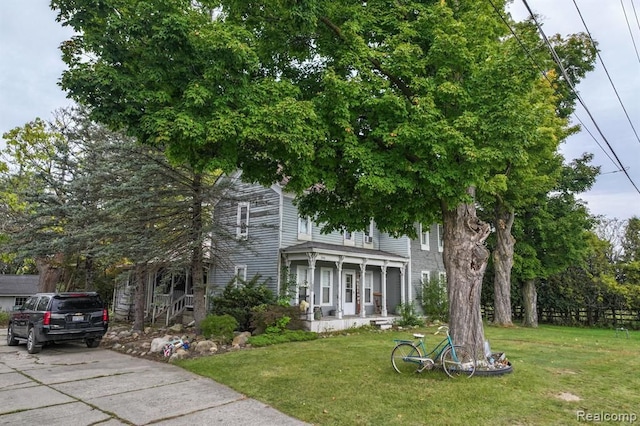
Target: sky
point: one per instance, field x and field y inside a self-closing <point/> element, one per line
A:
<point x="30" y="67"/>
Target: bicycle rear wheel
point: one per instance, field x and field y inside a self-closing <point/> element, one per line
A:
<point x="458" y="361"/>
<point x="405" y="358"/>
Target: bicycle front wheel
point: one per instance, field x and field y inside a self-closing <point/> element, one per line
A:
<point x="458" y="361"/>
<point x="405" y="358"/>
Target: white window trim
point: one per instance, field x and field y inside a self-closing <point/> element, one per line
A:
<point x="350" y="241"/>
<point x="240" y="233"/>
<point x="241" y="272"/>
<point x="424" y="239"/>
<point x="440" y="231"/>
<point x="304" y="235"/>
<point x="367" y="236"/>
<point x="368" y="284"/>
<point x="423" y="275"/>
<point x="324" y="285"/>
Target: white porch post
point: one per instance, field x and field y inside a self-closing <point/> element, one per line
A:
<point x="408" y="284"/>
<point x="312" y="294"/>
<point x="363" y="268"/>
<point x="339" y="307"/>
<point x="383" y="289"/>
<point x="403" y="292"/>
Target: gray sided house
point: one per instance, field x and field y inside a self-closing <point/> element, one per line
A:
<point x="15" y="289"/>
<point x="342" y="279"/>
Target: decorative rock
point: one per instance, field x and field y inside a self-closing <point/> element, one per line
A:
<point x="240" y="340"/>
<point x="158" y="343"/>
<point x="205" y="346"/>
<point x="177" y="328"/>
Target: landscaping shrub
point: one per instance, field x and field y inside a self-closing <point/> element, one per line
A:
<point x="433" y="299"/>
<point x="275" y="318"/>
<point x="409" y="315"/>
<point x="240" y="297"/>
<point x="219" y="327"/>
<point x="4" y="318"/>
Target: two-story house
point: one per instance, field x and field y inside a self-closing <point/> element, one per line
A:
<point x="343" y="279"/>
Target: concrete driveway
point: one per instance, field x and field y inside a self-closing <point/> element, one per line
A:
<point x="71" y="384"/>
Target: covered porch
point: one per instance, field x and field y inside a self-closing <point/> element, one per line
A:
<point x="340" y="287"/>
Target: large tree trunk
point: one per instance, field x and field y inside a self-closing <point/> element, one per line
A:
<point x="49" y="270"/>
<point x="139" y="297"/>
<point x="199" y="286"/>
<point x="530" y="301"/>
<point x="503" y="263"/>
<point x="465" y="258"/>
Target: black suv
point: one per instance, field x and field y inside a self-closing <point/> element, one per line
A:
<point x="58" y="317"/>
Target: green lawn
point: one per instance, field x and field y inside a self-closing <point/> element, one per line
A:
<point x="348" y="379"/>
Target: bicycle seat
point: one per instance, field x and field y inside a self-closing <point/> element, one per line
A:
<point x="418" y="335"/>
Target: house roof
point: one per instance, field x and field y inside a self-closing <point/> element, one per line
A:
<point x="18" y="285"/>
<point x="350" y="254"/>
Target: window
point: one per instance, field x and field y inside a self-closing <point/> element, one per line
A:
<point x="42" y="303"/>
<point x="304" y="228"/>
<point x="242" y="229"/>
<point x="30" y="304"/>
<point x="368" y="234"/>
<point x="348" y="238"/>
<point x="368" y="288"/>
<point x="240" y="273"/>
<point x="20" y="300"/>
<point x="440" y="238"/>
<point x="425" y="276"/>
<point x="442" y="277"/>
<point x="424" y="237"/>
<point x="326" y="286"/>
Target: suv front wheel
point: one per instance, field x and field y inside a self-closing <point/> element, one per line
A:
<point x="92" y="343"/>
<point x="32" y="344"/>
<point x="11" y="340"/>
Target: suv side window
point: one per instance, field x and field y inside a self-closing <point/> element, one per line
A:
<point x="30" y="304"/>
<point x="42" y="303"/>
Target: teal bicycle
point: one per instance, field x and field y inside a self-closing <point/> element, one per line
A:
<point x="412" y="357"/>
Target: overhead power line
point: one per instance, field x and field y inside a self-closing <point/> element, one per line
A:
<point x="628" y="26"/>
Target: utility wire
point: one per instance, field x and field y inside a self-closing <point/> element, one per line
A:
<point x="628" y="26"/>
<point x="605" y="67"/>
<point x="566" y="76"/>
<point x="544" y="74"/>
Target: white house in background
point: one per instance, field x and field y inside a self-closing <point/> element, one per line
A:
<point x="347" y="279"/>
<point x="15" y="289"/>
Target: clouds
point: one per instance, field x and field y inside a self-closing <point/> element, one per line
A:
<point x="31" y="67"/>
<point x="31" y="64"/>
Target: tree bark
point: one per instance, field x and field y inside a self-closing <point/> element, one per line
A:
<point x="465" y="258"/>
<point x="530" y="301"/>
<point x="503" y="263"/>
<point x="50" y="271"/>
<point x="197" y="262"/>
<point x="139" y="297"/>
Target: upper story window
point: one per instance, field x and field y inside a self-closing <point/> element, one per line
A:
<point x="242" y="223"/>
<point x="440" y="238"/>
<point x="424" y="237"/>
<point x="349" y="240"/>
<point x="368" y="234"/>
<point x="304" y="228"/>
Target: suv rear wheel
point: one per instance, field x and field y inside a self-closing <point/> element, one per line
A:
<point x="92" y="343"/>
<point x="32" y="344"/>
<point x="11" y="340"/>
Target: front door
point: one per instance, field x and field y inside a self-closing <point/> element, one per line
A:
<point x="349" y="280"/>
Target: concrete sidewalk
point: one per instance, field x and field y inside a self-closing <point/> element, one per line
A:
<point x="71" y="384"/>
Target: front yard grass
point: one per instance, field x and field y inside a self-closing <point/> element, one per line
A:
<point x="559" y="372"/>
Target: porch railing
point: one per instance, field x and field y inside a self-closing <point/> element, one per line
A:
<point x="164" y="306"/>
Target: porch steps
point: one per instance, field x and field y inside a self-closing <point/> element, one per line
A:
<point x="382" y="323"/>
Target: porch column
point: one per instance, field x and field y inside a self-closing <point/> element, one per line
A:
<point x="403" y="292"/>
<point x="339" y="310"/>
<point x="312" y="294"/>
<point x="383" y="289"/>
<point x="363" y="269"/>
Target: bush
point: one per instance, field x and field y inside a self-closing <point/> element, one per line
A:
<point x="4" y="318"/>
<point x="240" y="297"/>
<point x="433" y="298"/>
<point x="283" y="337"/>
<point x="219" y="327"/>
<point x="275" y="318"/>
<point x="409" y="315"/>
